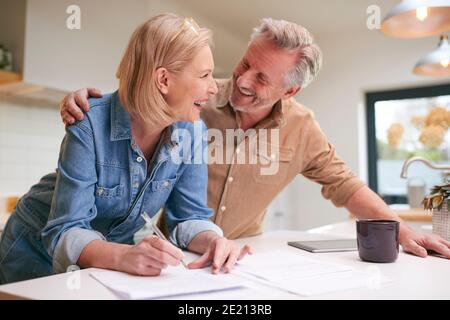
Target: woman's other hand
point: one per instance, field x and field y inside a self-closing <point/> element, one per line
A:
<point x="222" y="254"/>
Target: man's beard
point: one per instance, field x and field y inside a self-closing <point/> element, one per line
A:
<point x="238" y="108"/>
<point x="249" y="109"/>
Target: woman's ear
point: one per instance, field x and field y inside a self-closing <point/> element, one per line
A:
<point x="162" y="80"/>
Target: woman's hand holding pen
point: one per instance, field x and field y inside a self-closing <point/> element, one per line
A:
<point x="149" y="257"/>
<point x="221" y="253"/>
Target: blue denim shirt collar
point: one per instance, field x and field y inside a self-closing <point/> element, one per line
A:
<point x="120" y="120"/>
<point x="121" y="124"/>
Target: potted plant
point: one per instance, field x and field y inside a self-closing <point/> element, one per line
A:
<point x="439" y="202"/>
<point x="5" y="58"/>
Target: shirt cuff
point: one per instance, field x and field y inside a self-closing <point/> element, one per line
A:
<point x="185" y="231"/>
<point x="70" y="245"/>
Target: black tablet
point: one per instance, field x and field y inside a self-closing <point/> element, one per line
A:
<point x="326" y="245"/>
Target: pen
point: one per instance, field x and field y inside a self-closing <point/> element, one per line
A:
<point x="156" y="230"/>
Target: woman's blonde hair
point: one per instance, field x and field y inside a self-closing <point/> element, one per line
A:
<point x="165" y="40"/>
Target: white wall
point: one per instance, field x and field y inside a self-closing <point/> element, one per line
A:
<point x="70" y="59"/>
<point x="30" y="137"/>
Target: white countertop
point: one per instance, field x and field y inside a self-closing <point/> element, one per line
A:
<point x="412" y="277"/>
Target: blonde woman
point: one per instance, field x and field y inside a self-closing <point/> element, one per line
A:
<point x="117" y="163"/>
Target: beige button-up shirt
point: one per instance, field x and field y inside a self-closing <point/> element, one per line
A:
<point x="239" y="193"/>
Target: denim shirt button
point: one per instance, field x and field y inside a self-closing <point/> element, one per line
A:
<point x="100" y="191"/>
<point x="166" y="184"/>
<point x="136" y="185"/>
<point x="139" y="159"/>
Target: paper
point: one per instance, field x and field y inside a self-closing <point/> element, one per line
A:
<point x="282" y="270"/>
<point x="173" y="281"/>
<point x="300" y="275"/>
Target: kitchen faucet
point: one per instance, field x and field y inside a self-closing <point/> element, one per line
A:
<point x="407" y="163"/>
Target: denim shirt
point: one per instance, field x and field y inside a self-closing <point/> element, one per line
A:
<point x="102" y="171"/>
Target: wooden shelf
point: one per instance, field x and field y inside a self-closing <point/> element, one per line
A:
<point x="408" y="214"/>
<point x="9" y="77"/>
<point x="414" y="215"/>
<point x="30" y="94"/>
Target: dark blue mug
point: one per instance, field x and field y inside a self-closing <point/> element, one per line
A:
<point x="378" y="240"/>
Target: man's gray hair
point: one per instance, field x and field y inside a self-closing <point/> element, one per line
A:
<point x="294" y="38"/>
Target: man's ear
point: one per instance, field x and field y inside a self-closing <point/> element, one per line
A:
<point x="162" y="80"/>
<point x="292" y="91"/>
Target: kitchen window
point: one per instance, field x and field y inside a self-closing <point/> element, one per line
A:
<point x="405" y="123"/>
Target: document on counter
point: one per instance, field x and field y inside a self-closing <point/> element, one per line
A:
<point x="173" y="282"/>
<point x="304" y="276"/>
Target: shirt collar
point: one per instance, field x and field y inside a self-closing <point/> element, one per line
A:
<point x="276" y="117"/>
<point x="120" y="120"/>
<point x="121" y="124"/>
<point x="169" y="137"/>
